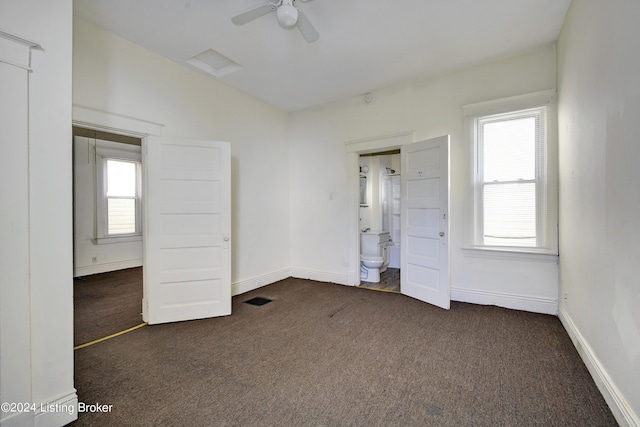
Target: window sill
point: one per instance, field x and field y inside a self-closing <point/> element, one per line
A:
<point x="118" y="239"/>
<point x="513" y="254"/>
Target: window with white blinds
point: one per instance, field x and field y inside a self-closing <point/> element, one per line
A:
<point x="118" y="191"/>
<point x="511" y="179"/>
<point x="121" y="197"/>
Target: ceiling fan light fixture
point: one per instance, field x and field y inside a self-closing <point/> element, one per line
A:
<point x="287" y="15"/>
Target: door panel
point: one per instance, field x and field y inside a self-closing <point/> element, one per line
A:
<point x="187" y="266"/>
<point x="425" y="229"/>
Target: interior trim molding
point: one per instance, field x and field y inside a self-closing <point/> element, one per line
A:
<point x="371" y="145"/>
<point x="511" y="301"/>
<point x="55" y="412"/>
<point x="18" y="419"/>
<point x="518" y="102"/>
<point x="16" y="51"/>
<point x="244" y="286"/>
<point x="92" y="118"/>
<point x="480" y="252"/>
<point x="617" y="403"/>
<point x="353" y="150"/>
<point x="106" y="267"/>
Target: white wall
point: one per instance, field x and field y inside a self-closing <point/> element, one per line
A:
<point x="88" y="256"/>
<point x="37" y="339"/>
<point x="319" y="175"/>
<point x="599" y="108"/>
<point x="113" y="75"/>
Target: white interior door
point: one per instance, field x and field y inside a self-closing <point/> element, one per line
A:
<point x="187" y="230"/>
<point x="425" y="231"/>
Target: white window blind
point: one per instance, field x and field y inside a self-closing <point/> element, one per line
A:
<point x="122" y="194"/>
<point x="118" y="192"/>
<point x="510" y="183"/>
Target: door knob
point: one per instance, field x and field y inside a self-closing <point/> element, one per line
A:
<point x="442" y="234"/>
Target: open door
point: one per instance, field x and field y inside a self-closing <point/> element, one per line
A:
<point x="187" y="230"/>
<point x="425" y="225"/>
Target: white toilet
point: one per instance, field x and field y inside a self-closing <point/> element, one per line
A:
<point x="374" y="256"/>
<point x="370" y="268"/>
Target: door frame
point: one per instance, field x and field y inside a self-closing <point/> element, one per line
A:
<point x="90" y="118"/>
<point x="354" y="149"/>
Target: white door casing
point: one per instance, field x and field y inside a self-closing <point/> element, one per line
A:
<point x="187" y="229"/>
<point x="354" y="149"/>
<point x="425" y="223"/>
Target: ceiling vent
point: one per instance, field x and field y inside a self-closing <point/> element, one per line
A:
<point x="214" y="63"/>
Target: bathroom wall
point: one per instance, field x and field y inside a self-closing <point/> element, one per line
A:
<point x="428" y="107"/>
<point x="366" y="217"/>
<point x="371" y="215"/>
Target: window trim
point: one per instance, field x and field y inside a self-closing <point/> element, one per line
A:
<point x="108" y="150"/>
<point x="545" y="194"/>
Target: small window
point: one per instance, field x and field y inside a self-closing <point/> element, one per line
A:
<point x="118" y="179"/>
<point x="122" y="197"/>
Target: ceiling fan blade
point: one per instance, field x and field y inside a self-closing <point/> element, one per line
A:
<point x="306" y="28"/>
<point x="252" y="14"/>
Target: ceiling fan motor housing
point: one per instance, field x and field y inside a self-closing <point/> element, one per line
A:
<point x="287" y="14"/>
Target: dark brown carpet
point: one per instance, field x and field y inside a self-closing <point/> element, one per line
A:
<point x="331" y="355"/>
<point x="106" y="303"/>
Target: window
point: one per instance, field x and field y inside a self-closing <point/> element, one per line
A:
<point x="121" y="196"/>
<point x="513" y="182"/>
<point x="118" y="172"/>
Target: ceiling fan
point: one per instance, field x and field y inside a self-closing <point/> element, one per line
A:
<point x="288" y="16"/>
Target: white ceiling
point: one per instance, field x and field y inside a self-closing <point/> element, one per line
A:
<point x="364" y="45"/>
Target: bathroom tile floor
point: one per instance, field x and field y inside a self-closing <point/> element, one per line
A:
<point x="389" y="281"/>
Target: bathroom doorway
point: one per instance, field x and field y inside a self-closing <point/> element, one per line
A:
<point x="380" y="214"/>
<point x="366" y="192"/>
<point x="424" y="205"/>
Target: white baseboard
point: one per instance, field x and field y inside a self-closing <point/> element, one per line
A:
<point x="617" y="403"/>
<point x="106" y="267"/>
<point x="512" y="301"/>
<point x="320" y="276"/>
<point x="57" y="412"/>
<point x="17" y="419"/>
<point x="257" y="282"/>
<point x="244" y="286"/>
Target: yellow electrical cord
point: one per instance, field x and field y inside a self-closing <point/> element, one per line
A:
<point x="377" y="289"/>
<point x="110" y="336"/>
